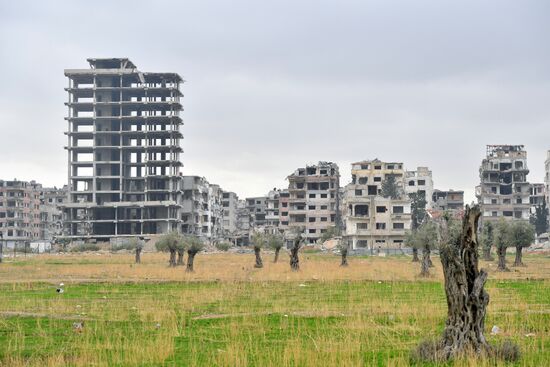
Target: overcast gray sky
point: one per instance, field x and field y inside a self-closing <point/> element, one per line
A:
<point x="272" y="86"/>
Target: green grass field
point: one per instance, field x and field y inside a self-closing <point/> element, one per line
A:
<point x="254" y="320"/>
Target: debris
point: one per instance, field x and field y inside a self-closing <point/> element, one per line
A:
<point x="59" y="290"/>
<point x="302" y="285"/>
<point x="78" y="326"/>
<point x="530" y="335"/>
<point x="495" y="330"/>
<point x="286" y="315"/>
<point x="157" y="326"/>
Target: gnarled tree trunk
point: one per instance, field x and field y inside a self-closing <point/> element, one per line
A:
<point x="294" y="260"/>
<point x="466" y="297"/>
<point x="277" y="250"/>
<point x="415" y="255"/>
<point x="259" y="263"/>
<point x="425" y="265"/>
<point x="190" y="261"/>
<point x="181" y="253"/>
<point x="501" y="252"/>
<point x="138" y="255"/>
<point x="344" y="253"/>
<point x="172" y="261"/>
<point x="487" y="254"/>
<point x="518" y="261"/>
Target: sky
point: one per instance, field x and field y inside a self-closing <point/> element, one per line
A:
<point x="274" y="85"/>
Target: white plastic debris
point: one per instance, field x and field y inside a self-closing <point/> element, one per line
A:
<point x="286" y="315"/>
<point x="495" y="330"/>
<point x="59" y="290"/>
<point x="530" y="335"/>
<point x="157" y="326"/>
<point x="302" y="285"/>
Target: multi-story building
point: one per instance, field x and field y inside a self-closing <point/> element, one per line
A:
<point x="272" y="211"/>
<point x="371" y="220"/>
<point x="420" y="181"/>
<point x="314" y="202"/>
<point x="538" y="196"/>
<point x="448" y="200"/>
<point x="123" y="151"/>
<point x="257" y="207"/>
<point x="19" y="212"/>
<point x="284" y="197"/>
<point x="51" y="214"/>
<point x="547" y="178"/>
<point x="202" y="208"/>
<point x="504" y="191"/>
<point x="230" y="203"/>
<point x="244" y="224"/>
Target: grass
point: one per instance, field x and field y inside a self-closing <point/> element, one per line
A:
<point x="229" y="314"/>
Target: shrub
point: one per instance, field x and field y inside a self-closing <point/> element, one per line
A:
<point x="223" y="246"/>
<point x="85" y="247"/>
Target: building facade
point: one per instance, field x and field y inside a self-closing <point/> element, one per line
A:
<point x="313" y="201"/>
<point x="230" y="203"/>
<point x="123" y="143"/>
<point x="257" y="209"/>
<point x="504" y="191"/>
<point x="371" y="220"/>
<point x="51" y="214"/>
<point x="420" y="181"/>
<point x="448" y="200"/>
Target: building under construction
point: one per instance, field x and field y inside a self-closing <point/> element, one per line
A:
<point x="504" y="191"/>
<point x="123" y="151"/>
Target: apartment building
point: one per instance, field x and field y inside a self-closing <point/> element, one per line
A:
<point x="420" y="181"/>
<point x="371" y="220"/>
<point x="313" y="201"/>
<point x="230" y="203"/>
<point x="272" y="211"/>
<point x="538" y="195"/>
<point x="123" y="144"/>
<point x="284" y="198"/>
<point x="504" y="191"/>
<point x="448" y="200"/>
<point x="19" y="212"/>
<point x="51" y="214"/>
<point x="547" y="178"/>
<point x="257" y="208"/>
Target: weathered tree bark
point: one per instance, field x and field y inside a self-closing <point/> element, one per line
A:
<point x="425" y="264"/>
<point x="464" y="288"/>
<point x="138" y="255"/>
<point x="190" y="260"/>
<point x="344" y="253"/>
<point x="277" y="250"/>
<point x="172" y="261"/>
<point x="180" y="262"/>
<point x="518" y="261"/>
<point x="294" y="260"/>
<point x="415" y="255"/>
<point x="501" y="252"/>
<point x="259" y="263"/>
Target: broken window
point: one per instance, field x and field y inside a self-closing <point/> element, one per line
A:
<point x="378" y="179"/>
<point x="312" y="196"/>
<point x="312" y="219"/>
<point x="361" y="210"/>
<point x="372" y="190"/>
<point x="517" y="214"/>
<point x="507" y="213"/>
<point x="324" y="196"/>
<point x="324" y="219"/>
<point x="380" y="225"/>
<point x="324" y="186"/>
<point x="506" y="201"/>
<point x="324" y="207"/>
<point x="312" y="231"/>
<point x="378" y="167"/>
<point x="397" y="210"/>
<point x="363" y="180"/>
<point x="311" y="207"/>
<point x="364" y="166"/>
<point x="421" y="182"/>
<point x="411" y="183"/>
<point x="518" y="201"/>
<point x="381" y="209"/>
<point x="362" y="226"/>
<point x="399" y="226"/>
<point x="494" y="214"/>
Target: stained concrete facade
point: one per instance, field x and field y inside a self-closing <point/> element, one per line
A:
<point x="230" y="203"/>
<point x="372" y="221"/>
<point x="313" y="201"/>
<point x="420" y="181"/>
<point x="504" y="191"/>
<point x="538" y="195"/>
<point x="123" y="143"/>
<point x="448" y="200"/>
<point x="257" y="208"/>
<point x="547" y="178"/>
<point x="51" y="213"/>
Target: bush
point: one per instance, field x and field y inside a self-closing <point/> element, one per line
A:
<point x="223" y="246"/>
<point x="85" y="247"/>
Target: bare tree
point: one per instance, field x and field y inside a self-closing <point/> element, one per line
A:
<point x="467" y="299"/>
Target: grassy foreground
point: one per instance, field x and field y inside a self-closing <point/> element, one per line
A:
<point x="229" y="314"/>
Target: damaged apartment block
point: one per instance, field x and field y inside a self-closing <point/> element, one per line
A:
<point x="504" y="191"/>
<point x="123" y="151"/>
<point x="313" y="199"/>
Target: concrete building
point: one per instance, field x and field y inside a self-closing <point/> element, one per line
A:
<point x="202" y="209"/>
<point x="448" y="200"/>
<point x="372" y="221"/>
<point x="257" y="208"/>
<point x="547" y="178"/>
<point x="420" y="181"/>
<point x="272" y="211"/>
<point x="504" y="191"/>
<point x="230" y="203"/>
<point x="284" y="198"/>
<point x="123" y="151"/>
<point x="19" y="212"/>
<point x="537" y="195"/>
<point x="244" y="224"/>
<point x="313" y="199"/>
<point x="51" y="213"/>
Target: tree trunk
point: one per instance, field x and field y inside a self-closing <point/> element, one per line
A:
<point x="429" y="251"/>
<point x="138" y="256"/>
<point x="501" y="252"/>
<point x="172" y="261"/>
<point x="344" y="254"/>
<point x="487" y="254"/>
<point x="466" y="298"/>
<point x="190" y="260"/>
<point x="415" y="255"/>
<point x="294" y="260"/>
<point x="425" y="265"/>
<point x="277" y="250"/>
<point x="259" y="263"/>
<point x="180" y="257"/>
<point x="518" y="261"/>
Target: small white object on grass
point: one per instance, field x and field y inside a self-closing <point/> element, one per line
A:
<point x="495" y="330"/>
<point x="302" y="285"/>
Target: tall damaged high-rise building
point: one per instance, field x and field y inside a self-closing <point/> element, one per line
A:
<point x="504" y="191"/>
<point x="123" y="150"/>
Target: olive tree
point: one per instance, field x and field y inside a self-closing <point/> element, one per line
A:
<point x="502" y="242"/>
<point x="194" y="245"/>
<point x="487" y="239"/>
<point x="170" y="242"/>
<point x="426" y="238"/>
<point x="522" y="234"/>
<point x="136" y="244"/>
<point x="297" y="241"/>
<point x="180" y="249"/>
<point x="343" y="246"/>
<point x="259" y="241"/>
<point x="418" y="213"/>
<point x="275" y="242"/>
